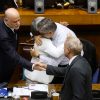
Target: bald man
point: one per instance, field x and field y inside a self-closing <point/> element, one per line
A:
<point x="9" y="57"/>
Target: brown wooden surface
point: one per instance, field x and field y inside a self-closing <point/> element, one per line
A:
<point x="56" y="87"/>
<point x="72" y="16"/>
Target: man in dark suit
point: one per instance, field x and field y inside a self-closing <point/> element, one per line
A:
<point x="77" y="75"/>
<point x="9" y="57"/>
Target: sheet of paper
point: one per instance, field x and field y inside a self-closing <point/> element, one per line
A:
<point x="27" y="90"/>
<point x="38" y="87"/>
<point x="20" y="91"/>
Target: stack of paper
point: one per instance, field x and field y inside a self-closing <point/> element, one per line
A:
<point x="27" y="90"/>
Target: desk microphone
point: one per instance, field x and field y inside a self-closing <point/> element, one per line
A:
<point x="31" y="38"/>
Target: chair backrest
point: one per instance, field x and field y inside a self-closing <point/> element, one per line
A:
<point x="90" y="54"/>
<point x="96" y="76"/>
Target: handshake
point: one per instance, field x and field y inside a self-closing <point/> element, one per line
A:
<point x="39" y="66"/>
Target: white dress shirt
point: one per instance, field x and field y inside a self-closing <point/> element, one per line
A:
<point x="70" y="61"/>
<point x="59" y="38"/>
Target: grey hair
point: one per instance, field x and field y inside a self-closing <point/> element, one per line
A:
<point x="74" y="44"/>
<point x="37" y="20"/>
<point x="34" y="29"/>
<point x="46" y="25"/>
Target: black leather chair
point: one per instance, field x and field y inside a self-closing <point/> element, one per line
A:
<point x="90" y="54"/>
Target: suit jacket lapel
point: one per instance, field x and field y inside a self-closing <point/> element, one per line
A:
<point x="69" y="67"/>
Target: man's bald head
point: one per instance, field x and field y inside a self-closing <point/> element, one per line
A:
<point x="12" y="18"/>
<point x="11" y="12"/>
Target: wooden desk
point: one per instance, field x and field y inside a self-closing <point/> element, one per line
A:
<point x="72" y="16"/>
<point x="57" y="87"/>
